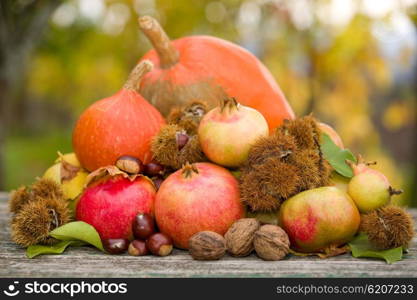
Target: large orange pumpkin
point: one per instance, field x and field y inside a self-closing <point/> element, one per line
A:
<point x="208" y="68"/>
<point x="122" y="124"/>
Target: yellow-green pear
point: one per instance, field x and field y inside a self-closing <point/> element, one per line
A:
<point x="67" y="172"/>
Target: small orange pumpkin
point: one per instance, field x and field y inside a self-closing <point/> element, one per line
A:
<point x="122" y="124"/>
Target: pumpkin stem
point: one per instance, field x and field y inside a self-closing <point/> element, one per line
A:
<point x="188" y="170"/>
<point x="136" y="75"/>
<point x="168" y="55"/>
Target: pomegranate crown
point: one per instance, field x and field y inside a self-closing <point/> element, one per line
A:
<point x="229" y="104"/>
<point x="188" y="170"/>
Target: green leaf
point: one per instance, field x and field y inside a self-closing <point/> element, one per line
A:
<point x="80" y="231"/>
<point x="71" y="234"/>
<point x="58" y="248"/>
<point x="236" y="174"/>
<point x="337" y="157"/>
<point x="361" y="247"/>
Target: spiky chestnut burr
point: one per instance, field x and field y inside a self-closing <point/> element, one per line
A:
<point x="189" y="116"/>
<point x="284" y="164"/>
<point x="279" y="144"/>
<point x="32" y="224"/>
<point x="388" y="227"/>
<point x="42" y="188"/>
<point x="45" y="188"/>
<point x="313" y="170"/>
<point x="38" y="209"/>
<point x="18" y="198"/>
<point x="171" y="149"/>
<point x="177" y="143"/>
<point x="265" y="186"/>
<point x="305" y="131"/>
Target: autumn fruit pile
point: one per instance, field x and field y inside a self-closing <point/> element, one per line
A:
<point x="200" y="151"/>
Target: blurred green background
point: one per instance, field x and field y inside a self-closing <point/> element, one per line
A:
<point x="351" y="63"/>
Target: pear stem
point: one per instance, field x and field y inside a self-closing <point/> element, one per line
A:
<point x="393" y="191"/>
<point x="168" y="54"/>
<point x="136" y="75"/>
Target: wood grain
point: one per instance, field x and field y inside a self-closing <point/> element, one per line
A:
<point x="88" y="262"/>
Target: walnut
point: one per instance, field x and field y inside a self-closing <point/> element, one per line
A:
<point x="271" y="242"/>
<point x="207" y="245"/>
<point x="239" y="237"/>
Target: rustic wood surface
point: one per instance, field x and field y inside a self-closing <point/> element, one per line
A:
<point x="89" y="262"/>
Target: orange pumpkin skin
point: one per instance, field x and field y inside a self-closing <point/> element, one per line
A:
<point x="122" y="124"/>
<point x="217" y="62"/>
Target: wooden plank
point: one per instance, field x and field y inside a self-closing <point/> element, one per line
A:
<point x="89" y="262"/>
<point x="3" y="196"/>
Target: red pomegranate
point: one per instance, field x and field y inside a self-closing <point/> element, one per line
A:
<point x="208" y="68"/>
<point x="227" y="133"/>
<point x="111" y="205"/>
<point x="198" y="197"/>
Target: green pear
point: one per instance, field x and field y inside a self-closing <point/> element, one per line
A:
<point x="369" y="190"/>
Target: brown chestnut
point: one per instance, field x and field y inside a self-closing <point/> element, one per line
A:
<point x="182" y="139"/>
<point x="157" y="181"/>
<point x="137" y="248"/>
<point x="154" y="169"/>
<point x="143" y="226"/>
<point x="129" y="164"/>
<point x="159" y="244"/>
<point x="115" y="246"/>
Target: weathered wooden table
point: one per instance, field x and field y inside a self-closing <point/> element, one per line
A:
<point x="89" y="262"/>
